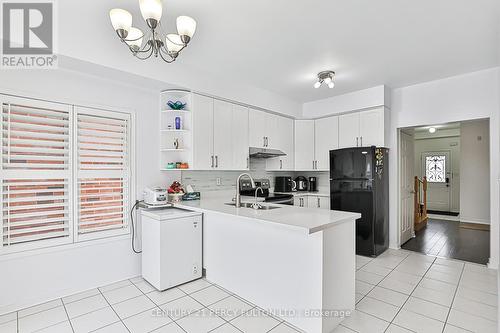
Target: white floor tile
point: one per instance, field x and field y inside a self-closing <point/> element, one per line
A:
<point x="476" y="268"/>
<point x="195" y="285"/>
<point x="79" y="296"/>
<point x="375" y="269"/>
<point x="283" y="328"/>
<point x="363" y="287"/>
<point x="137" y="279"/>
<point x="453" y="329"/>
<point x="470" y="322"/>
<point x="146" y="321"/>
<point x="397" y="329"/>
<point x="64" y="327"/>
<point x="362" y="322"/>
<point x="113" y="328"/>
<point x="440" y="297"/>
<point x="133" y="306"/>
<point x="358" y="297"/>
<point x="478" y="284"/>
<point x="413" y="268"/>
<point x="145" y="287"/>
<point x="162" y="297"/>
<point x="169" y="328"/>
<point x="418" y="323"/>
<point x="478" y="296"/>
<point x="9" y="327"/>
<point x="116" y="285"/>
<point x="377" y="308"/>
<point x="8" y="317"/>
<point x="42" y="319"/>
<point x="368" y="277"/>
<point x="388" y="296"/>
<point x="361" y="261"/>
<point x="200" y="322"/>
<point x="255" y="321"/>
<point x="209" y="295"/>
<point x="450" y="262"/>
<point x="86" y="305"/>
<point x="456" y="270"/>
<point x="230" y="308"/>
<point x="39" y="308"/>
<point x="94" y="320"/>
<point x="445" y="277"/>
<point x="475" y="308"/>
<point x="181" y="307"/>
<point x="226" y="328"/>
<point x="388" y="261"/>
<point x="426" y="308"/>
<point x="397" y="285"/>
<point x="121" y="294"/>
<point x="342" y="329"/>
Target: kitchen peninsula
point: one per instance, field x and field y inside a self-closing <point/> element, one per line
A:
<point x="298" y="263"/>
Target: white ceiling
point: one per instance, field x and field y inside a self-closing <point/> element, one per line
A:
<point x="280" y="45"/>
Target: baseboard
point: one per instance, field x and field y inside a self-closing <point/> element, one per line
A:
<point x="475" y="221"/>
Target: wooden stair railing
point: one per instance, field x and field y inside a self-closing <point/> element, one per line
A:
<point x="420" y="200"/>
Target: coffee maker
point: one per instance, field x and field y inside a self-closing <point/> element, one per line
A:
<point x="313" y="184"/>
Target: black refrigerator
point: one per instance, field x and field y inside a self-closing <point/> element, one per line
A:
<point x="359" y="182"/>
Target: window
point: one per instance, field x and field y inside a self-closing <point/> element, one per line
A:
<point x="435" y="168"/>
<point x="65" y="173"/>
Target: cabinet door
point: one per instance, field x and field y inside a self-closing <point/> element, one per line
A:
<point x="300" y="201"/>
<point x="203" y="135"/>
<point x="324" y="202"/>
<point x="283" y="138"/>
<point x="271" y="131"/>
<point x="371" y="128"/>
<point x="257" y="127"/>
<point x="222" y="132"/>
<point x="349" y="130"/>
<point x="239" y="126"/>
<point x="304" y="144"/>
<point x="312" y="201"/>
<point x="326" y="138"/>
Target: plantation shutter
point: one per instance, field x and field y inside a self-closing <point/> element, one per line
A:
<point x="36" y="173"/>
<point x="103" y="173"/>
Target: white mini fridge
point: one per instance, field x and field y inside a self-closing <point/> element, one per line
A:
<point x="171" y="246"/>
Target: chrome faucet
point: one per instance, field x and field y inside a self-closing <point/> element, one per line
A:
<point x="238" y="196"/>
<point x="257" y="205"/>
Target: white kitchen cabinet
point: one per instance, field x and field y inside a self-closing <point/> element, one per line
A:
<point x="318" y="202"/>
<point x="239" y="126"/>
<point x="257" y="128"/>
<point x="362" y="129"/>
<point x="283" y="139"/>
<point x="203" y="132"/>
<point x="220" y="135"/>
<point x="325" y="139"/>
<point x="300" y="201"/>
<point x="304" y="144"/>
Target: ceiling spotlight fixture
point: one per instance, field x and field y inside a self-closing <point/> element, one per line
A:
<point x="154" y="41"/>
<point x="325" y="77"/>
<point x="432" y="130"/>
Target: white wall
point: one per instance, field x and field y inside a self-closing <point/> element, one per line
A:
<point x="38" y="276"/>
<point x="459" y="98"/>
<point x="475" y="169"/>
<point x="451" y="144"/>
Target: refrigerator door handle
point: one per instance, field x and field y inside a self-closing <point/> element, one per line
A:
<point x="357" y="141"/>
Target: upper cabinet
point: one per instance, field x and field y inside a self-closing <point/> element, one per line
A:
<point x="313" y="141"/>
<point x="282" y="139"/>
<point x="362" y="129"/>
<point x="220" y="135"/>
<point x="262" y="126"/>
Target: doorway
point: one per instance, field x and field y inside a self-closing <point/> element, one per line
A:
<point x="444" y="190"/>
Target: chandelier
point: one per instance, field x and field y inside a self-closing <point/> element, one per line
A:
<point x="154" y="41"/>
<point x="325" y="77"/>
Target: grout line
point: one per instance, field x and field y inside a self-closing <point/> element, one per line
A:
<point x="17" y="321"/>
<point x="67" y="314"/>
<point x="454" y="295"/>
<point x="114" y="309"/>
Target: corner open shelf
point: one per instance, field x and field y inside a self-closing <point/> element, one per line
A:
<point x="169" y="136"/>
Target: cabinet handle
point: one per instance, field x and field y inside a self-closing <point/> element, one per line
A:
<point x="361" y="142"/>
<point x="216" y="161"/>
<point x="248" y="166"/>
<point x="212" y="161"/>
<point x="319" y="205"/>
<point x="267" y="141"/>
<point x="357" y="142"/>
<point x="281" y="164"/>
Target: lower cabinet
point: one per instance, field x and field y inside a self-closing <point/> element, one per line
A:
<point x="312" y="201"/>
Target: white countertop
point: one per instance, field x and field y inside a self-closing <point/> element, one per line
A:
<point x="309" y="220"/>
<point x="305" y="193"/>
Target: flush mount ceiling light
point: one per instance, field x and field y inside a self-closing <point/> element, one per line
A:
<point x="154" y="41"/>
<point x="325" y="77"/>
<point x="432" y="130"/>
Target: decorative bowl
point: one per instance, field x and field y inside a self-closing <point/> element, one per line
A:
<point x="177" y="105"/>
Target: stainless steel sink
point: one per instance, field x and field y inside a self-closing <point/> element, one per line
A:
<point x="250" y="205"/>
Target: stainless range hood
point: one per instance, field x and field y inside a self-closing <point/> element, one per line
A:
<point x="265" y="152"/>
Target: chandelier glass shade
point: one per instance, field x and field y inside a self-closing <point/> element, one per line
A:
<point x="154" y="42"/>
<point x="325" y="77"/>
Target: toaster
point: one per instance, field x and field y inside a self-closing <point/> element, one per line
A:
<point x="155" y="196"/>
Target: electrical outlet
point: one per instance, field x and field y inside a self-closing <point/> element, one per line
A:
<point x="218" y="181"/>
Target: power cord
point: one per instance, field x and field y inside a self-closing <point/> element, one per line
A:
<point x="137" y="202"/>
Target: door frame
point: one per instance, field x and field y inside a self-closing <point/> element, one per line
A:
<point x="400" y="191"/>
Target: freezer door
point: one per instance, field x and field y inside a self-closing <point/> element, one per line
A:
<point x="354" y="163"/>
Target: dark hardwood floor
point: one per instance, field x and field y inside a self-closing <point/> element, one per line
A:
<point x="447" y="239"/>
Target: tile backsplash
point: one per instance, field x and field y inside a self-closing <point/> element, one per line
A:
<point x="204" y="181"/>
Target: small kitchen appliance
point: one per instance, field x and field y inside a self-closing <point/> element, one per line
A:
<point x="301" y="182"/>
<point x="284" y="184"/>
<point x="155" y="196"/>
<point x="313" y="184"/>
